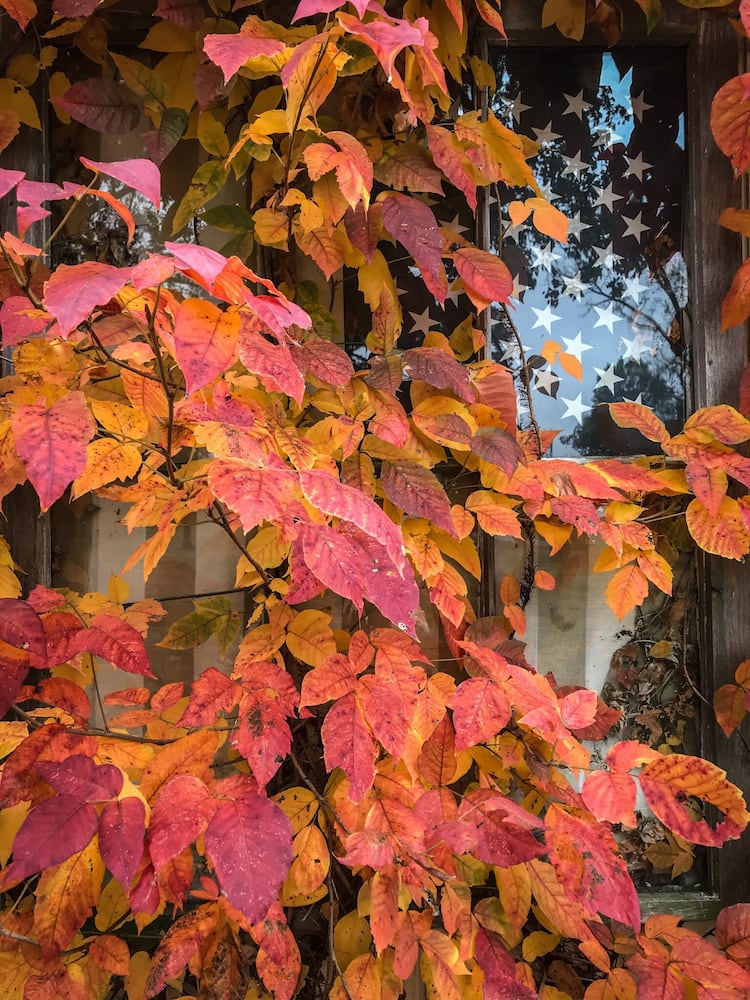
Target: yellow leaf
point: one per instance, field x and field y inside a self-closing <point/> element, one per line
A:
<point x="11" y="818"/>
<point x="311" y="861"/>
<point x="212" y="134"/>
<point x="568" y="15"/>
<point x="66" y="896"/>
<point x="140" y="962"/>
<point x="24" y="69"/>
<point x="351" y="938"/>
<point x="626" y="590"/>
<point x="310" y="637"/>
<point x="112" y="906"/>
<point x="167" y="37"/>
<point x="15" y="98"/>
<point x="10" y="585"/>
<point x="722" y="534"/>
<point x="117" y="418"/>
<point x="299" y="804"/>
<point x="207" y="181"/>
<point x="271" y="228"/>
<point x="177" y="71"/>
<point x="539" y="943"/>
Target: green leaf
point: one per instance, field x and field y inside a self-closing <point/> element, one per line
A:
<point x="141" y="80"/>
<point x="228" y="218"/>
<point x="212" y="617"/>
<point x="207" y="181"/>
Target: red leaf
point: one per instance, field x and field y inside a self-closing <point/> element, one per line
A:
<point x="178" y="817"/>
<point x="701" y="962"/>
<point x="255" y="494"/>
<point x="230" y="52"/>
<point x="594" y="876"/>
<point x="65" y="694"/>
<point x="480" y="711"/>
<point x="385" y="711"/>
<point x="499" y="447"/>
<point x="385" y="39"/>
<point x="324" y="360"/>
<point x="499" y="969"/>
<point x="486" y="278"/>
<point x="21" y="626"/>
<point x="730" y="121"/>
<point x="412" y="223"/>
<point x="21" y="321"/>
<point x="272" y="363"/>
<point x="418" y="492"/>
<point x="333" y="497"/>
<point x="51" y="442"/>
<point x="249" y="843"/>
<point x="329" y="681"/>
<point x="449" y="155"/>
<point x="100" y="104"/>
<point x="212" y="693"/>
<point x="9" y="178"/>
<point x="73" y="291"/>
<point x="187" y="14"/>
<point x="115" y="641"/>
<point x="14" y="666"/>
<point x="75" y="8"/>
<point x="611" y="797"/>
<point x="52" y="831"/>
<point x="440" y="369"/>
<point x="733" y="933"/>
<point x="205" y="340"/>
<point x="578" y="709"/>
<point x="334" y="560"/>
<point x="278" y="961"/>
<point x="20" y="780"/>
<point x="184" y="939"/>
<point x="349" y="744"/>
<point x="668" y="783"/>
<point x="494" y="829"/>
<point x="82" y="778"/>
<point x="122" y="830"/>
<point x="141" y="175"/>
<point x="263" y="736"/>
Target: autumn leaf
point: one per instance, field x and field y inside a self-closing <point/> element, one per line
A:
<point x="412" y="223"/>
<point x="730" y="121"/>
<point x="213" y="617"/>
<point x="101" y="105"/>
<point x="51" y="441"/>
<point x="249" y="844"/>
<point x="53" y="831"/>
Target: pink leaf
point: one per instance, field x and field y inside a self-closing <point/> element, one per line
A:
<point x="611" y="797"/>
<point x="335" y="498"/>
<point x="187" y="14"/>
<point x="323" y="359"/>
<point x="440" y="369"/>
<point x="178" y="817"/>
<point x="82" y="778"/>
<point x="255" y="494"/>
<point x="116" y="641"/>
<point x="9" y="179"/>
<point x="205" y="340"/>
<point x="412" y="223"/>
<point x="21" y="626"/>
<point x="122" y="830"/>
<point x="578" y="709"/>
<point x="334" y="560"/>
<point x="20" y="321"/>
<point x="249" y="843"/>
<point x="230" y="52"/>
<point x="349" y="744"/>
<point x="272" y="363"/>
<point x="499" y="447"/>
<point x="417" y="492"/>
<point x="51" y="442"/>
<point x="263" y="736"/>
<point x="74" y="291"/>
<point x="51" y="833"/>
<point x="141" y="175"/>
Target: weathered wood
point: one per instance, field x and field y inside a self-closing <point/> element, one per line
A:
<point x="28" y="533"/>
<point x="717" y="363"/>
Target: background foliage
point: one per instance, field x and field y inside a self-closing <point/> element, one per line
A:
<point x="334" y="815"/>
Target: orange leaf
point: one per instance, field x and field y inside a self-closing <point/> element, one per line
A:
<point x="611" y="797"/>
<point x="736" y="305"/>
<point x="670" y="782"/>
<point x="730" y="121"/>
<point x="641" y="418"/>
<point x="729" y="706"/>
<point x="723" y="533"/>
<point x="626" y="590"/>
<point x="486" y="278"/>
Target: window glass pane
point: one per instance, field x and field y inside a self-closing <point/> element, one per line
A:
<point x="599" y="318"/>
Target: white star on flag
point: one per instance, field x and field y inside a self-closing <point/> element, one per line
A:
<point x="636" y="347"/>
<point x="576" y="105"/>
<point x="606" y="196"/>
<point x="634" y="226"/>
<point x="575" y="408"/>
<point x="607" y="378"/>
<point x="576" y="227"/>
<point x="574" y="287"/>
<point x="605" y="256"/>
<point x="639" y="106"/>
<point x="576" y="347"/>
<point x="423" y="322"/>
<point x="517" y="107"/>
<point x="574" y="164"/>
<point x="544" y="318"/>
<point x="544" y="256"/>
<point x="456" y="226"/>
<point x="545" y="135"/>
<point x="633" y="289"/>
<point x="546" y="381"/>
<point x="636" y="166"/>
<point x="607" y="317"/>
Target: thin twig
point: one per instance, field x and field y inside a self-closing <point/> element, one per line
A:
<point x="334" y="907"/>
<point x="321" y="798"/>
<point x="218" y="516"/>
